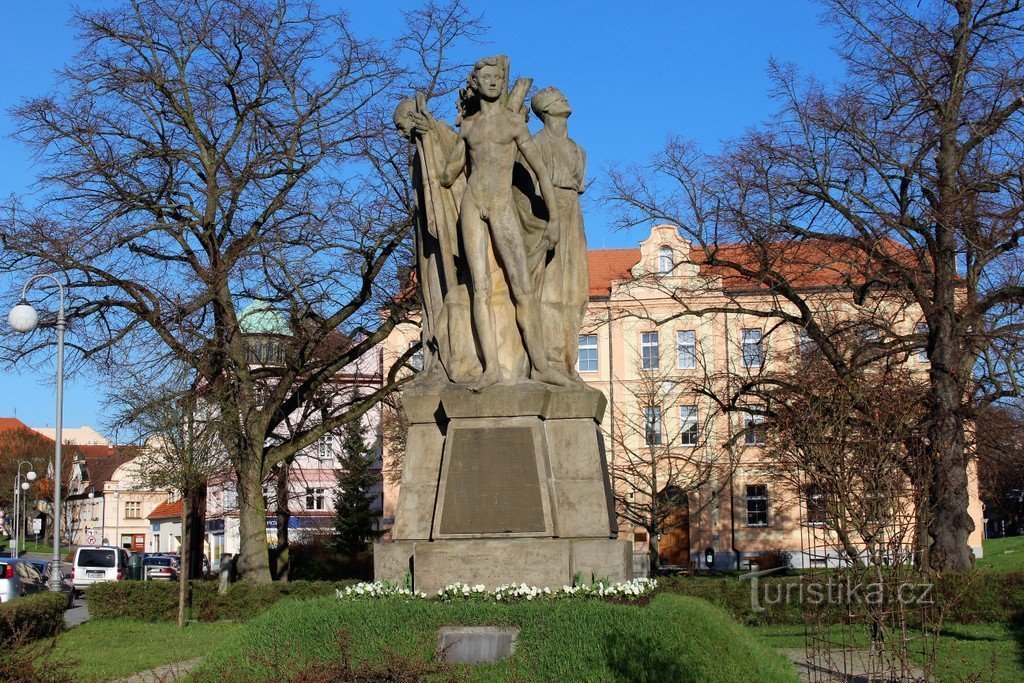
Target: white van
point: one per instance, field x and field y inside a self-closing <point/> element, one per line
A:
<point x="97" y="563"/>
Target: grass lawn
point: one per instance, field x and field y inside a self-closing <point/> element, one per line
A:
<point x="30" y="546"/>
<point x="986" y="652"/>
<point x="1003" y="554"/>
<point x="106" y="650"/>
<point x="674" y="638"/>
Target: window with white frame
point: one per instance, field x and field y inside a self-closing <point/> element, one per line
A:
<point x="757" y="505"/>
<point x="686" y="349"/>
<point x="689" y="425"/>
<point x="133" y="509"/>
<point x="649" y="354"/>
<point x="416" y="359"/>
<point x="323" y="448"/>
<point x="229" y="497"/>
<point x="921" y="355"/>
<point x="316" y="499"/>
<point x="666" y="260"/>
<point x="753" y="430"/>
<point x="587" y="361"/>
<point x="805" y="346"/>
<point x="652" y="425"/>
<point x="814" y="498"/>
<point x="752" y="349"/>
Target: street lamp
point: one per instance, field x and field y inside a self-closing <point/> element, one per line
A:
<point x="23" y="318"/>
<point x="31" y="476"/>
<point x="24" y="505"/>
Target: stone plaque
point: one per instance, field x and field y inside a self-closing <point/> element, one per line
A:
<point x="492" y="485"/>
<point x="476" y="644"/>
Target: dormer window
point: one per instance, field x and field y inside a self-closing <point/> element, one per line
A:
<point x="666" y="260"/>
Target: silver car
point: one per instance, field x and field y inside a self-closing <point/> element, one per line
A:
<point x="18" y="577"/>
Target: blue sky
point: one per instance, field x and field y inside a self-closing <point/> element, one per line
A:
<point x="634" y="73"/>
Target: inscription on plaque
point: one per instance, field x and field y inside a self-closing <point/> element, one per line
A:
<point x="492" y="484"/>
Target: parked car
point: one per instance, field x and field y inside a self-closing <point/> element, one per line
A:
<point x="44" y="567"/>
<point x="98" y="563"/>
<point x="160" y="569"/>
<point x="18" y="577"/>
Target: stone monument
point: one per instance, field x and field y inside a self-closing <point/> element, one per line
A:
<point x="505" y="478"/>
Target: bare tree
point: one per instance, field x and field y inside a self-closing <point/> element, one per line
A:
<point x="665" y="470"/>
<point x="197" y="156"/>
<point x="182" y="452"/>
<point x="902" y="182"/>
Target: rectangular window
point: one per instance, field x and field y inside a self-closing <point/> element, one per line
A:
<point x="323" y="449"/>
<point x="753" y="430"/>
<point x="315" y="499"/>
<point x="689" y="426"/>
<point x="588" y="353"/>
<point x="815" y="499"/>
<point x="416" y="359"/>
<point x="805" y="346"/>
<point x="652" y="425"/>
<point x="686" y="349"/>
<point x="229" y="498"/>
<point x="133" y="510"/>
<point x="921" y="355"/>
<point x="753" y="350"/>
<point x="649" y="350"/>
<point x="757" y="505"/>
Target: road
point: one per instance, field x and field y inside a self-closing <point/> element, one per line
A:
<point x="79" y="614"/>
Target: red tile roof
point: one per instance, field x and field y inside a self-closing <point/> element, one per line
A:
<point x="607" y="265"/>
<point x="101" y="461"/>
<point x="166" y="510"/>
<point x="9" y="423"/>
<point x="806" y="264"/>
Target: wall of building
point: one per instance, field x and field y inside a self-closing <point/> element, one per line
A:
<point x="646" y="301"/>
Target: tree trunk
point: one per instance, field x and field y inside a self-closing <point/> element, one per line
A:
<point x="186" y="557"/>
<point x="195" y="521"/>
<point x="254" y="558"/>
<point x="282" y="561"/>
<point x="950" y="525"/>
<point x="653" y="540"/>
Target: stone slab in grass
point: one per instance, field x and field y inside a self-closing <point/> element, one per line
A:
<point x="475" y="644"/>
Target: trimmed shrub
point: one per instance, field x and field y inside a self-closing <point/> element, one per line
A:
<point x="315" y="559"/>
<point x="957" y="597"/>
<point x="32" y="617"/>
<point x="674" y="638"/>
<point x="775" y="558"/>
<point x="158" y="600"/>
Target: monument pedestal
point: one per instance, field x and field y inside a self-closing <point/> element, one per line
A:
<point x="508" y="485"/>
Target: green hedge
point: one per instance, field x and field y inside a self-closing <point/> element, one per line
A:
<point x="674" y="638"/>
<point x="961" y="597"/>
<point x="32" y="617"/>
<point x="158" y="600"/>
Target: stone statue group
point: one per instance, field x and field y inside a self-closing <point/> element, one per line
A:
<point x="501" y="249"/>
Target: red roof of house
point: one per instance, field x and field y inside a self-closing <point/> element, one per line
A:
<point x="9" y="423"/>
<point x="101" y="461"/>
<point x="166" y="510"/>
<point x="806" y="264"/>
<point x="607" y="265"/>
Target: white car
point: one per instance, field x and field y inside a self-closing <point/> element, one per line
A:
<point x="18" y="578"/>
<point x="98" y="563"/>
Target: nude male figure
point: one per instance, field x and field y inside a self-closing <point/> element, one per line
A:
<point x="486" y="150"/>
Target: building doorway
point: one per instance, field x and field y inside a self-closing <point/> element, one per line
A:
<point x="674" y="543"/>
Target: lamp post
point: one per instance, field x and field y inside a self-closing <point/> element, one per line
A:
<point x="117" y="516"/>
<point x="23" y="318"/>
<point x="31" y="476"/>
<point x="24" y="504"/>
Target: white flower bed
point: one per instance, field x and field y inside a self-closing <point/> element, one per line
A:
<point x="377" y="589"/>
<point x="629" y="590"/>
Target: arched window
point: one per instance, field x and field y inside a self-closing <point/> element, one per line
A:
<point x="665" y="260"/>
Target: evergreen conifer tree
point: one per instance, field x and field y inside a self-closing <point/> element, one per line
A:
<point x="354" y="521"/>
